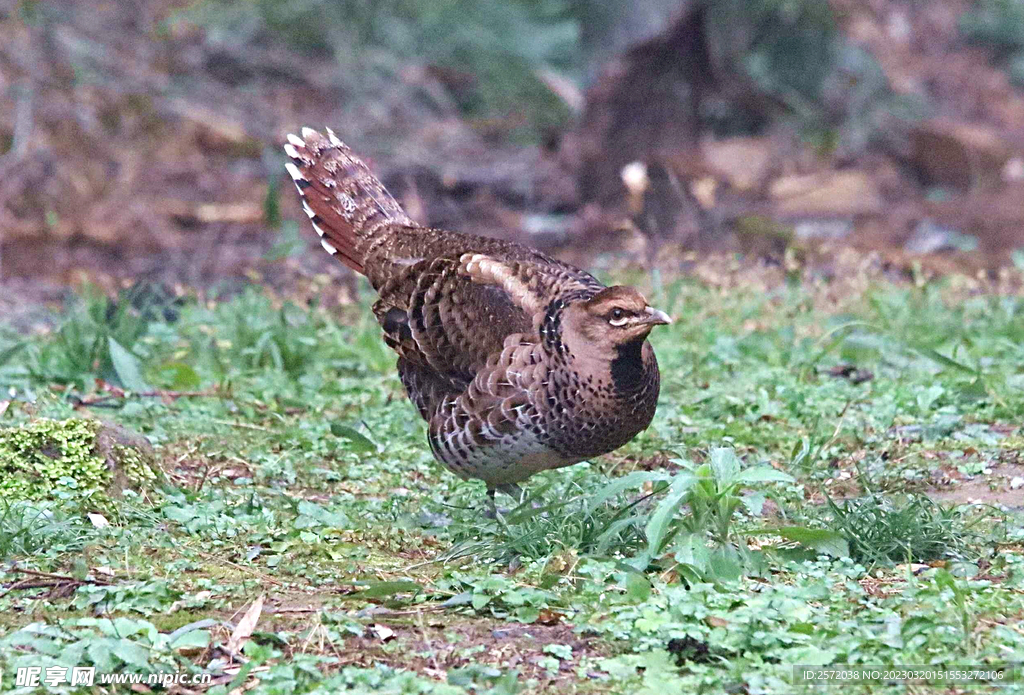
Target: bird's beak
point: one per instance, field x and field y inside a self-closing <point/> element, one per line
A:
<point x="656" y="317"/>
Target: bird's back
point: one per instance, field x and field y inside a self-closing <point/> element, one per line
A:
<point x="447" y="300"/>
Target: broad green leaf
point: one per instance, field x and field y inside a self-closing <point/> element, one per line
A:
<point x="762" y="474"/>
<point x="725" y="464"/>
<point x="127" y="366"/>
<point x="724" y="564"/>
<point x="820" y="540"/>
<point x="124" y="627"/>
<point x="637" y="587"/>
<point x="359" y="441"/>
<point x="658" y="525"/>
<point x="182" y="515"/>
<point x="382" y="589"/>
<point x="193" y="640"/>
<point x="620" y="485"/>
<point x="180" y="376"/>
<point x="466" y="597"/>
<point x="754" y="503"/>
<point x="101" y="654"/>
<point x="692" y="549"/>
<point x="527" y="614"/>
<point x="313" y="515"/>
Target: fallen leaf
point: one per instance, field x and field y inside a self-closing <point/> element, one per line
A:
<point x="549" y="617"/>
<point x="98" y="520"/>
<point x="383" y="632"/>
<point x="4" y="405"/>
<point x="104" y="570"/>
<point x="243" y="631"/>
<point x="913" y="567"/>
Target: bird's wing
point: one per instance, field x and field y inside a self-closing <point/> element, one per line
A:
<point x="453" y="314"/>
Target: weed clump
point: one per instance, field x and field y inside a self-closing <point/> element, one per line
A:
<point x="881" y="530"/>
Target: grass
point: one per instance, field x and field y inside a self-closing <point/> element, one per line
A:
<point x="881" y="529"/>
<point x="827" y="480"/>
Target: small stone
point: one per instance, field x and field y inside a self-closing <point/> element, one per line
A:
<point x="823" y="229"/>
<point x="743" y="162"/>
<point x="828" y="193"/>
<point x="1013" y="170"/>
<point x="957" y="154"/>
<point x="930" y="237"/>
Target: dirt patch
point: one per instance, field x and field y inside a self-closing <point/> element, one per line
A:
<point x="431" y="642"/>
<point x="1002" y="486"/>
<point x="434" y="645"/>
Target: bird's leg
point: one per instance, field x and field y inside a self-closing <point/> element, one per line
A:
<point x="492" y="508"/>
<point x="512" y="490"/>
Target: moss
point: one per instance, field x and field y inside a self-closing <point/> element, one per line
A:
<point x="136" y="465"/>
<point x="171" y="622"/>
<point x="71" y="459"/>
<point x="46" y="457"/>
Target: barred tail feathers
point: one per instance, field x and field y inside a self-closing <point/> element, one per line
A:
<point x="346" y="203"/>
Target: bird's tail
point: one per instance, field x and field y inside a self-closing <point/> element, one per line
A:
<point x="346" y="203"/>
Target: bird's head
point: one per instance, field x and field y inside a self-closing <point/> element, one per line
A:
<point x="614" y="316"/>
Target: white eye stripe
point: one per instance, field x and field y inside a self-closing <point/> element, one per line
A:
<point x="619" y="322"/>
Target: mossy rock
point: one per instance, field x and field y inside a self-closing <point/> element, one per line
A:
<point x="73" y="459"/>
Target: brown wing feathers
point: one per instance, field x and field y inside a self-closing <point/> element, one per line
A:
<point x="346" y="203"/>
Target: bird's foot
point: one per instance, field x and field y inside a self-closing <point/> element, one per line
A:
<point x="511" y="489"/>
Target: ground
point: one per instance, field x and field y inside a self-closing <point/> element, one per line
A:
<point x="304" y="540"/>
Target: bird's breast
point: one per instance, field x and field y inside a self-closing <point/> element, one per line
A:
<point x="598" y="411"/>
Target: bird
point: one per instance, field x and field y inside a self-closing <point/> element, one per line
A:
<point x="518" y="362"/>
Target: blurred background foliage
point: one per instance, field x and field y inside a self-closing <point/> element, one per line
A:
<point x="500" y="60"/>
<point x="489" y="54"/>
<point x="999" y="23"/>
<point x="133" y="133"/>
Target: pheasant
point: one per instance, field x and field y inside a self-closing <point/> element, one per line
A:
<point x="517" y="361"/>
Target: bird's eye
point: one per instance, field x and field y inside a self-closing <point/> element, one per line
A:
<point x="617" y="317"/>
